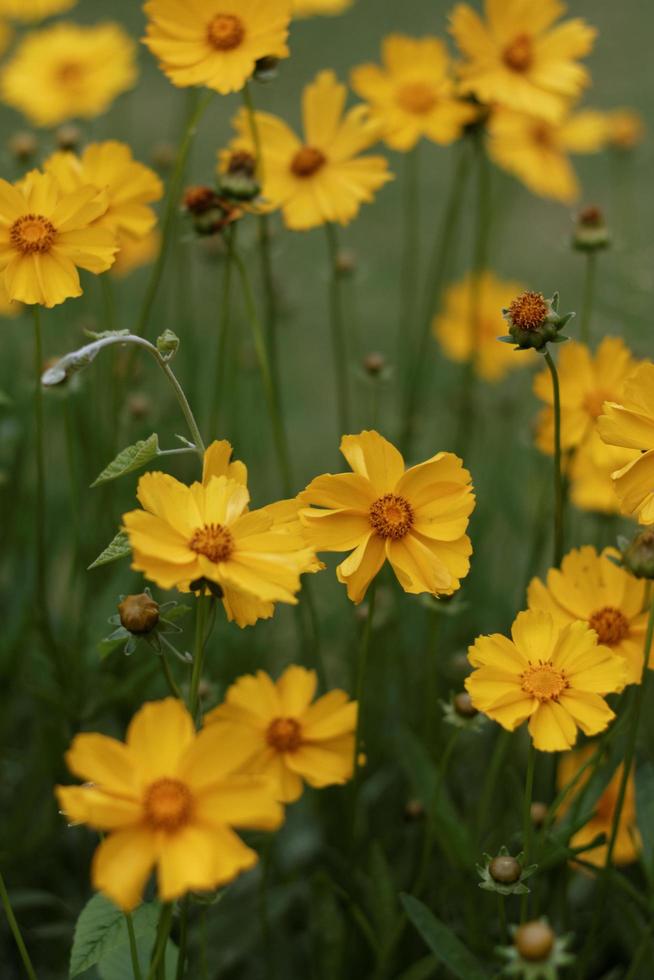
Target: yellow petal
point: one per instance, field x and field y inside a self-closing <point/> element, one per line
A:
<point x="158" y="736"/>
<point x="122" y="865"/>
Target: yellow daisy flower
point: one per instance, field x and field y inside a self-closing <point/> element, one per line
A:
<point x="625" y="128"/>
<point x="586" y="381"/>
<point x="518" y="58"/>
<point x="591" y="486"/>
<point x="34" y="9"/>
<point x="69" y="70"/>
<point x="453" y="326"/>
<point x="627" y="842"/>
<point x="552" y="675"/>
<point x="591" y="588"/>
<point x="8" y="307"/>
<point x="413" y="95"/>
<point x="289" y="737"/>
<point x="416" y="519"/>
<point x="135" y="253"/>
<point x="168" y="798"/>
<point x="537" y="152"/>
<point x="6" y="36"/>
<point x="46" y="235"/>
<point x="199" y="43"/>
<point x="306" y="8"/>
<point x="323" y="178"/>
<point x="130" y="186"/>
<point x="629" y="422"/>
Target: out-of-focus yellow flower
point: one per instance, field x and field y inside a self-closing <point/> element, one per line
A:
<point x="199" y="44"/>
<point x="168" y="799"/>
<point x="586" y="381"/>
<point x="412" y="95"/>
<point x="306" y="8"/>
<point x="68" y="70"/>
<point x="322" y="178"/>
<point x="46" y="235"/>
<point x="519" y="58"/>
<point x="416" y="518"/>
<point x="290" y="738"/>
<point x="28" y="10"/>
<point x="135" y="253"/>
<point x="627" y="843"/>
<point x="591" y="588"/>
<point x="537" y="152"/>
<point x="6" y="36"/>
<point x="8" y="307"/>
<point x="591" y="486"/>
<point x="629" y="422"/>
<point x="554" y="676"/>
<point x="130" y="186"/>
<point x="454" y="327"/>
<point x="625" y="129"/>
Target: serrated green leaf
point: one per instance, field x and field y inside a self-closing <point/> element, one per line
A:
<point x="444" y="944"/>
<point x="118" y="548"/>
<point x="129" y="459"/>
<point x="101" y="928"/>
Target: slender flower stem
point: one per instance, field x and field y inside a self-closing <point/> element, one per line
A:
<point x="184" y="405"/>
<point x="203" y="606"/>
<point x="590" y="278"/>
<point x="558" y="472"/>
<point x="360" y="697"/>
<point x="501" y="909"/>
<point x="15" y="931"/>
<point x="410" y="273"/>
<point x="492" y="774"/>
<point x="339" y="339"/>
<point x="248" y="101"/>
<point x="170" y="680"/>
<point x="220" y="372"/>
<point x="133" y="949"/>
<point x="526" y="823"/>
<point x="183" y="939"/>
<point x="163" y="933"/>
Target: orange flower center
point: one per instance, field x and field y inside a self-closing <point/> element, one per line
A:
<point x="594" y="402"/>
<point x="542" y="135"/>
<point x="167" y="804"/>
<point x="32" y="233"/>
<point x="69" y="72"/>
<point x="544" y="681"/>
<point x="519" y="54"/>
<point x="528" y="311"/>
<point x="391" y="516"/>
<point x="213" y="541"/>
<point x="610" y="624"/>
<point x="417" y="97"/>
<point x="307" y="161"/>
<point x="225" y="32"/>
<point x="284" y="734"/>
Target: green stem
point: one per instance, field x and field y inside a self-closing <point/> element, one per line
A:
<point x="339" y="339"/>
<point x="504" y="932"/>
<point x="271" y="393"/>
<point x="432" y="673"/>
<point x="411" y="258"/>
<point x="264" y="911"/>
<point x="492" y="774"/>
<point x="590" y="278"/>
<point x="183" y="939"/>
<point x="133" y="949"/>
<point x="159" y="952"/>
<point x="184" y="405"/>
<point x="558" y="471"/>
<point x="15" y="931"/>
<point x="527" y="824"/>
<point x="109" y="301"/>
<point x="364" y="648"/>
<point x="170" y="680"/>
<point x="203" y="606"/>
<point x="225" y="309"/>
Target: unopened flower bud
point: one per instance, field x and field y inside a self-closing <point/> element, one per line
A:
<point x="346" y="263"/>
<point x="68" y="137"/>
<point x="591" y="233"/>
<point x="538" y="813"/>
<point x="239" y="181"/>
<point x="505" y="869"/>
<point x="374" y="363"/>
<point x="265" y="69"/>
<point x="138" y="613"/>
<point x="534" y="321"/>
<point x="463" y="705"/>
<point x="638" y="555"/>
<point x="23" y="146"/>
<point x="163" y="156"/>
<point x="139" y="405"/>
<point x="199" y="199"/>
<point x="414" y="810"/>
<point x="535" y="940"/>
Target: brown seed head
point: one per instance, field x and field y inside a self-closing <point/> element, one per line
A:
<point x="138" y="613"/>
<point x="535" y="941"/>
<point x="505" y="870"/>
<point x="68" y="137"/>
<point x="374" y="363"/>
<point x="538" y="813"/>
<point x="463" y="705"/>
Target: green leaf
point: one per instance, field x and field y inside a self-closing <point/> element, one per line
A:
<point x="444" y="944"/>
<point x="101" y="928"/>
<point x="118" y="548"/>
<point x="117" y="965"/>
<point x="131" y="458"/>
<point x="645" y="811"/>
<point x="383" y="892"/>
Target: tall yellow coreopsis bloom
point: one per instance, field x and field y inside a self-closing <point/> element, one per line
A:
<point x="289" y="737"/>
<point x="135" y="253"/>
<point x="305" y="8"/>
<point x="217" y="45"/>
<point x="68" y="70"/>
<point x="537" y="152"/>
<point x="130" y="186"/>
<point x="416" y="518"/>
<point x="28" y="10"/>
<point x="461" y="339"/>
<point x="519" y="58"/>
<point x="46" y="235"/>
<point x="322" y="178"/>
<point x="629" y="422"/>
<point x="168" y="799"/>
<point x="591" y="588"/>
<point x="552" y="675"/>
<point x="627" y="843"/>
<point x="589" y="472"/>
<point x="413" y="95"/>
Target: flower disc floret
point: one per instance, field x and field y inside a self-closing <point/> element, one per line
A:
<point x="611" y="625"/>
<point x="391" y="516"/>
<point x="544" y="681"/>
<point x="167" y="804"/>
<point x="284" y="734"/>
<point x="214" y="541"/>
<point x="32" y="233"/>
<point x="225" y="32"/>
<point x="307" y="161"/>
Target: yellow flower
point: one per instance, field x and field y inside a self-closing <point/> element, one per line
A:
<point x="625" y="128"/>
<point x="305" y="8"/>
<point x="135" y="253"/>
<point x="200" y="43"/>
<point x="629" y="422"/>
<point x="168" y="798"/>
<point x="453" y="327"/>
<point x="413" y="95"/>
<point x="323" y="178"/>
<point x="627" y="843"/>
<point x="591" y="486"/>
<point x="33" y="9"/>
<point x="8" y="307"/>
<point x="185" y="535"/>
<point x="6" y="36"/>
<point x="591" y="588"/>
<point x="130" y="186"/>
<point x="586" y="381"/>
<point x="287" y="735"/>
<point x="68" y="70"/>
<point x="554" y="676"/>
<point x="517" y="58"/>
<point x="537" y="152"/>
<point x="417" y="519"/>
<point x="46" y="234"/>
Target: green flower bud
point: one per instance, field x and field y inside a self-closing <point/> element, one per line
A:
<point x="534" y="321"/>
<point x="638" y="555"/>
<point x="265" y="69"/>
<point x="591" y="233"/>
<point x="504" y="869"/>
